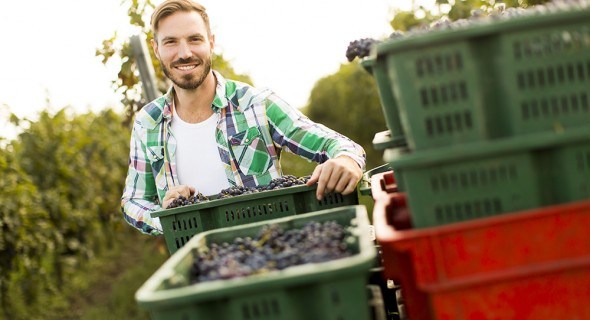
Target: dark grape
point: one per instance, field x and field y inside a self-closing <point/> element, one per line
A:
<point x="360" y="48"/>
<point x="277" y="183"/>
<point x="272" y="249"/>
<point x="183" y="201"/>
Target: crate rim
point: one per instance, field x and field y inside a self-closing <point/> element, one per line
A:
<point x="383" y="140"/>
<point x="387" y="233"/>
<point x="148" y="296"/>
<point x="479" y="29"/>
<point x="234" y="199"/>
<point x="402" y="158"/>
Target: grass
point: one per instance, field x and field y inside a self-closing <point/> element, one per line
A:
<point x="110" y="282"/>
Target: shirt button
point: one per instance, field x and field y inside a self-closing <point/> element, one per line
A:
<point x="247" y="140"/>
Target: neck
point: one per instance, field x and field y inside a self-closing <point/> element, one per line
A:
<point x="194" y="106"/>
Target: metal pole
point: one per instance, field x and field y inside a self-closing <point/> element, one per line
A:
<point x="146" y="68"/>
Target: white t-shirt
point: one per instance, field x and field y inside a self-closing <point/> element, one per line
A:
<point x="197" y="158"/>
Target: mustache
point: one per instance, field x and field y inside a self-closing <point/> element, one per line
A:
<point x="186" y="61"/>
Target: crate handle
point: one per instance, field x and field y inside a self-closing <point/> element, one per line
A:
<point x="388" y="199"/>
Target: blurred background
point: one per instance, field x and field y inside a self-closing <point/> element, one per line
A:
<point x="71" y="86"/>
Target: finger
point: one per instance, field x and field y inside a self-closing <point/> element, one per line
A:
<point x="322" y="181"/>
<point x="343" y="182"/>
<point x="351" y="187"/>
<point x="166" y="203"/>
<point x="170" y="194"/>
<point x="333" y="181"/>
<point x="315" y="175"/>
<point x="184" y="191"/>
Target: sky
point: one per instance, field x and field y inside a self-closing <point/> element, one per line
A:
<point x="47" y="50"/>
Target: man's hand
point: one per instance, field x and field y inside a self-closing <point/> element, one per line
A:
<point x="175" y="192"/>
<point x="340" y="174"/>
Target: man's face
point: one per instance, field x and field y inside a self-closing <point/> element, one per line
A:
<point x="184" y="49"/>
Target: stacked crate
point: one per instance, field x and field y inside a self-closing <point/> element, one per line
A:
<point x="489" y="118"/>
<point x="490" y="150"/>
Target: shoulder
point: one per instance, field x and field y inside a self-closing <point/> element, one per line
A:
<point x="151" y="114"/>
<point x="244" y="95"/>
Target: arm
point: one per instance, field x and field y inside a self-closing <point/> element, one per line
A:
<point x="140" y="192"/>
<point x="341" y="159"/>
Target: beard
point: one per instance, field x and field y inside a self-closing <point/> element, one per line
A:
<point x="188" y="81"/>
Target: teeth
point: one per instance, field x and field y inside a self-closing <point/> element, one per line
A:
<point x="185" y="68"/>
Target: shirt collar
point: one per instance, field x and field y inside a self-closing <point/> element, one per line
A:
<point x="219" y="101"/>
<point x="162" y="108"/>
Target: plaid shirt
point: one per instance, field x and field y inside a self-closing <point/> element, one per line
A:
<point x="254" y="126"/>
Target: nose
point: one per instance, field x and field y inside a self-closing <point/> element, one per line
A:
<point x="184" y="50"/>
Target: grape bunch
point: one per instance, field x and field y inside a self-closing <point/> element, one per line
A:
<point x="237" y="191"/>
<point x="284" y="182"/>
<point x="277" y="183"/>
<point x="360" y="48"/>
<point x="271" y="249"/>
<point x="184" y="201"/>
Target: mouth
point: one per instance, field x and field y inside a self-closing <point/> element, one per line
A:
<point x="186" y="67"/>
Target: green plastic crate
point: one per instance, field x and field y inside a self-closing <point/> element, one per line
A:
<point x="329" y="290"/>
<point x="388" y="102"/>
<point x="480" y="180"/>
<point x="181" y="223"/>
<point x="492" y="80"/>
<point x="570" y="172"/>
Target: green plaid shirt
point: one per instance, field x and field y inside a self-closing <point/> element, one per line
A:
<point x="254" y="126"/>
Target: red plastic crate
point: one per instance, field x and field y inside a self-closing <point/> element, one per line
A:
<point x="533" y="264"/>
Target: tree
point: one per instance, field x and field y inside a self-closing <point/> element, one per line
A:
<point x="348" y="102"/>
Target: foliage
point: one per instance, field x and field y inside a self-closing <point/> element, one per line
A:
<point x="60" y="204"/>
<point x="128" y="78"/>
<point x="23" y="229"/>
<point x="348" y="102"/>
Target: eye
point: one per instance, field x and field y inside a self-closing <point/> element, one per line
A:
<point x="168" y="41"/>
<point x="196" y="38"/>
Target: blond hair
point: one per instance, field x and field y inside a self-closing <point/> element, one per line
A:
<point x="170" y="7"/>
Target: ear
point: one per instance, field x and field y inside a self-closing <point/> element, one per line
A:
<point x="212" y="42"/>
<point x="154" y="44"/>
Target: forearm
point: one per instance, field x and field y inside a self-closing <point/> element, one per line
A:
<point x="137" y="212"/>
<point x="139" y="197"/>
<point x="294" y="132"/>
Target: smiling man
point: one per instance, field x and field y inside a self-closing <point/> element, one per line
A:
<point x="208" y="133"/>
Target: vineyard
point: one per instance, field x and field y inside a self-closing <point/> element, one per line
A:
<point x="64" y="246"/>
<point x="60" y="205"/>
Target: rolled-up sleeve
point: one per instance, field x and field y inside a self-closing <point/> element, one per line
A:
<point x="140" y="193"/>
<point x="292" y="131"/>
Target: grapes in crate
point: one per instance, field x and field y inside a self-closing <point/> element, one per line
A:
<point x="184" y="201"/>
<point x="273" y="248"/>
<point x="277" y="183"/>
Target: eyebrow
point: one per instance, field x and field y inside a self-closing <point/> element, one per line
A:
<point x="196" y="35"/>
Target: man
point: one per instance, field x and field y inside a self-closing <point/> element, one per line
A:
<point x="208" y="133"/>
